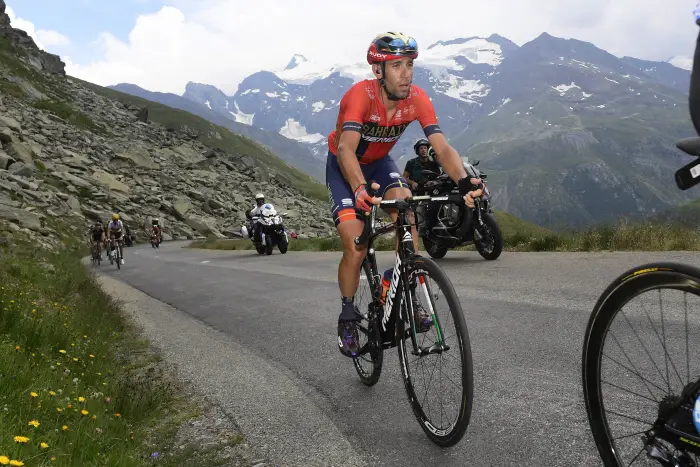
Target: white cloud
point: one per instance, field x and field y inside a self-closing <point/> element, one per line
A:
<point x="682" y="62"/>
<point x="220" y="42"/>
<point x="43" y="38"/>
<point x="51" y="38"/>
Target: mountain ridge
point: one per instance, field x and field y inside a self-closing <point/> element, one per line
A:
<point x="496" y="100"/>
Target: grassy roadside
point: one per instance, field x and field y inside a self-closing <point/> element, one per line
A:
<point x="79" y="384"/>
<point x="520" y="236"/>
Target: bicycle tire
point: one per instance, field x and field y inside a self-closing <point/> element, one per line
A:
<point x="624" y="288"/>
<point x="377" y="353"/>
<point x="443" y="438"/>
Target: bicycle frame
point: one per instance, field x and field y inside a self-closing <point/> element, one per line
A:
<point x="400" y="276"/>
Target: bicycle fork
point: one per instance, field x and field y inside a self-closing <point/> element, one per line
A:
<point x="401" y="274"/>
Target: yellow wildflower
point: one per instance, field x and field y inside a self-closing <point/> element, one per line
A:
<point x="21" y="439"/>
<point x="117" y="415"/>
<point x="59" y="409"/>
<point x="84" y="412"/>
<point x="33" y="394"/>
<point x="17" y="463"/>
<point x="81" y="399"/>
<point x="17" y="347"/>
<point x="75" y="359"/>
<point x="44" y="445"/>
<point x="92" y="356"/>
<point x="34" y="423"/>
<point x="70" y="406"/>
<point x="51" y="393"/>
<point x="94" y="417"/>
<point x="4" y="460"/>
<point x="64" y="427"/>
<point x="62" y="351"/>
<point x="72" y="345"/>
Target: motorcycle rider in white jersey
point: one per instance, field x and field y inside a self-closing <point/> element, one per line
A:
<point x="255" y="212"/>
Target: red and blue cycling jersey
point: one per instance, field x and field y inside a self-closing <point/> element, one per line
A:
<point x="362" y="110"/>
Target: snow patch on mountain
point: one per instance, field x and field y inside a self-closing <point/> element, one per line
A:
<point x="296" y="60"/>
<point x="295" y="130"/>
<point x="563" y="88"/>
<point x="318" y="106"/>
<point x="247" y="91"/>
<point x="476" y="50"/>
<point x="208" y="104"/>
<point x="466" y="90"/>
<point x="503" y="102"/>
<point x="438" y="56"/>
<point x="242" y="117"/>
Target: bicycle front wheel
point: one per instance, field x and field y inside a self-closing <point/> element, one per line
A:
<point x="369" y="363"/>
<point x="436" y="363"/>
<point x="637" y="360"/>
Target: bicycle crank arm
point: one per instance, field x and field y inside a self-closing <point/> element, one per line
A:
<point x="433" y="349"/>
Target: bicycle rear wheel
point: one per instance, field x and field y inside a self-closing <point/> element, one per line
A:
<point x="369" y="363"/>
<point x="449" y="328"/>
<point x="636" y="407"/>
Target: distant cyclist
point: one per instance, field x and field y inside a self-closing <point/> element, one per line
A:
<point x="97" y="234"/>
<point x="115" y="230"/>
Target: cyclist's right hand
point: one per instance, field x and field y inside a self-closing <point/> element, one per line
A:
<point x="363" y="200"/>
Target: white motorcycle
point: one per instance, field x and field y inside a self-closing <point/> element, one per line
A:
<point x="272" y="230"/>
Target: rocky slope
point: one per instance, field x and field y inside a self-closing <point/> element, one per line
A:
<point x="70" y="155"/>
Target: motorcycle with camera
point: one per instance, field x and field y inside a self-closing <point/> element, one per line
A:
<point x="272" y="230"/>
<point x="456" y="224"/>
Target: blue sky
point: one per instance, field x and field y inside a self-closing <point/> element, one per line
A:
<point x="162" y="44"/>
<point x="83" y="20"/>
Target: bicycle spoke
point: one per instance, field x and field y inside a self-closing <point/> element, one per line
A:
<point x="629" y="360"/>
<point x="631" y="434"/>
<point x="635" y="457"/>
<point x="631" y="392"/>
<point x="631" y="418"/>
<point x="687" y="351"/>
<point x="663" y="345"/>
<point x="636" y="373"/>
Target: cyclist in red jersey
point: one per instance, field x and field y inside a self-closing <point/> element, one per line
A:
<point x="373" y="115"/>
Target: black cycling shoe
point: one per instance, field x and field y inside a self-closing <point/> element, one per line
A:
<point x="348" y="338"/>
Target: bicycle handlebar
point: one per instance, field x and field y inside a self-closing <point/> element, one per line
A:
<point x="401" y="204"/>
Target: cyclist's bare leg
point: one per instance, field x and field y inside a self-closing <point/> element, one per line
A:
<point x="353" y="255"/>
<point x="401" y="192"/>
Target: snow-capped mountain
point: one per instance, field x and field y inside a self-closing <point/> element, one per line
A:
<point x="301" y="101"/>
<point x="549" y="110"/>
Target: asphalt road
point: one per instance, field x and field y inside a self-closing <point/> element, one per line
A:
<point x="526" y="314"/>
